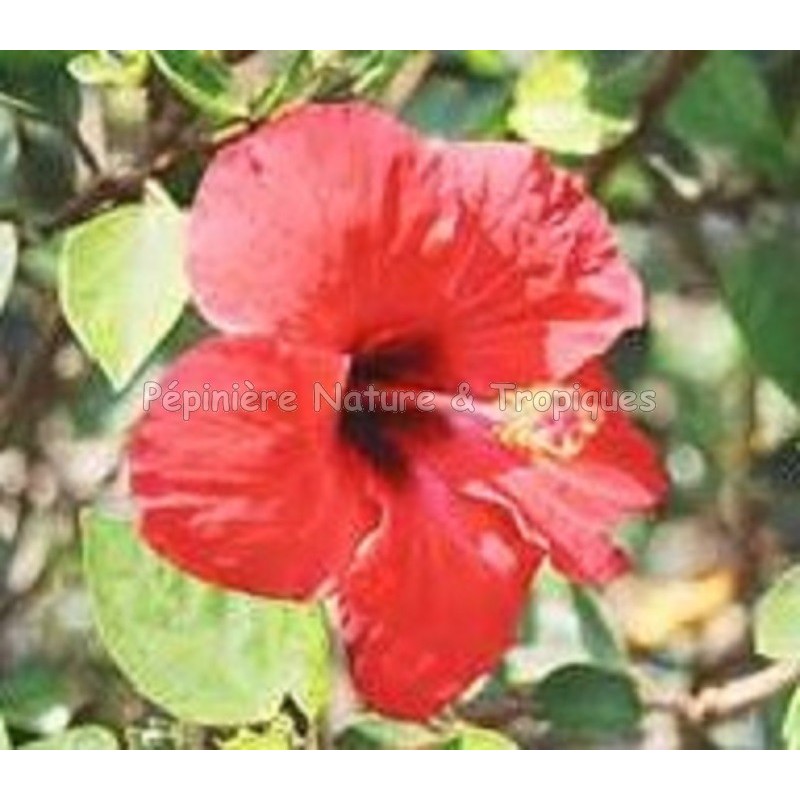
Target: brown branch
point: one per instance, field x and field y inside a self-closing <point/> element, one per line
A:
<point x="172" y="144"/>
<point x="106" y="188"/>
<point x="680" y="64"/>
<point x="128" y="185"/>
<point x="706" y="705"/>
<point x="728" y="699"/>
<point x="737" y="205"/>
<point x="30" y="382"/>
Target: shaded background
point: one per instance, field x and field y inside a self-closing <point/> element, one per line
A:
<point x="695" y="155"/>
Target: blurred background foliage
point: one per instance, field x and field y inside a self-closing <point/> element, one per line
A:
<point x="694" y="154"/>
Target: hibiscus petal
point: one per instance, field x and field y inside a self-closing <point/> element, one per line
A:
<point x="363" y="235"/>
<point x="434" y="597"/>
<point x="324" y="212"/>
<point x="539" y="286"/>
<point x="262" y="501"/>
<point x="573" y="505"/>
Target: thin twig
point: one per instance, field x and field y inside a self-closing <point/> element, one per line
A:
<point x="728" y="699"/>
<point x="32" y="372"/>
<point x="680" y="64"/>
<point x="708" y="704"/>
<point x="114" y="188"/>
<point x="128" y="184"/>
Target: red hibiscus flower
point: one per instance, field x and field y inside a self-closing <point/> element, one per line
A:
<point x="336" y="246"/>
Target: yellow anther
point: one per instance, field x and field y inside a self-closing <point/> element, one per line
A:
<point x="545" y="433"/>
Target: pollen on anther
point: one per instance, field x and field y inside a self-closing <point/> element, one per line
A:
<point x="540" y="434"/>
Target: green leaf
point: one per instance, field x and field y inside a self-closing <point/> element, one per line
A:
<point x="762" y="286"/>
<point x="202" y="80"/>
<point x="279" y="734"/>
<point x="206" y="655"/>
<point x="725" y="106"/>
<point x="556" y="106"/>
<point x="471" y="737"/>
<point x="488" y="63"/>
<point x="39" y="78"/>
<point x="41" y="261"/>
<point x="565" y="625"/>
<point x="35" y="698"/>
<point x="777" y="618"/>
<point x="596" y="633"/>
<point x="791" y="723"/>
<point x="287" y="82"/>
<point x="85" y="737"/>
<point x="122" y="284"/>
<point x="110" y="67"/>
<point x="374" y="732"/>
<point x="8" y="260"/>
<point x="588" y="700"/>
<point x="5" y="742"/>
<point x="37" y="156"/>
<point x="9" y="158"/>
<point x="458" y="108"/>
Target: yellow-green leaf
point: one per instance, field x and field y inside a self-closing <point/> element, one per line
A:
<point x="110" y="67"/>
<point x="374" y="732"/>
<point x="777" y="618"/>
<point x="206" y="655"/>
<point x="553" y="106"/>
<point x="122" y="284"/>
<point x="471" y="737"/>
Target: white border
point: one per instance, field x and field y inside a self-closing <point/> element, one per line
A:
<point x="361" y="25"/>
<point x="433" y="775"/>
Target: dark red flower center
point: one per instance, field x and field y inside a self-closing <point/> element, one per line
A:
<point x="394" y="363"/>
<point x="376" y="431"/>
